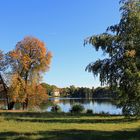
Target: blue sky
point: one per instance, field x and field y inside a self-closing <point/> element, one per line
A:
<point x="62" y="25"/>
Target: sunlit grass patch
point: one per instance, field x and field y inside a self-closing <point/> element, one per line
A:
<point x="61" y="126"/>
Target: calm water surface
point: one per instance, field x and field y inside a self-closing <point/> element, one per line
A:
<point x="98" y="105"/>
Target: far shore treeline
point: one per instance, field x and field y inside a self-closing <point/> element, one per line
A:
<point x="80" y="92"/>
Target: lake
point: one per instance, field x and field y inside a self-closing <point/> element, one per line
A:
<point x="97" y="105"/>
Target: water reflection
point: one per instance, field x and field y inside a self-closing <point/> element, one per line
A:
<point x="97" y="105"/>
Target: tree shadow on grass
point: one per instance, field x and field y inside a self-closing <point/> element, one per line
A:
<point x="73" y="120"/>
<point x="52" y="115"/>
<point x="63" y="118"/>
<point x="73" y="135"/>
<point x="39" y="114"/>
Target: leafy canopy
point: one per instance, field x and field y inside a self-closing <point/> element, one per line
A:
<point x="28" y="61"/>
<point x="121" y="68"/>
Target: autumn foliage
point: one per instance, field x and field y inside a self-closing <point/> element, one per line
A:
<point x="28" y="61"/>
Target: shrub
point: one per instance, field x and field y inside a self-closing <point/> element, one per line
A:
<point x="131" y="108"/>
<point x="56" y="108"/>
<point x="77" y="108"/>
<point x="103" y="113"/>
<point x="89" y="111"/>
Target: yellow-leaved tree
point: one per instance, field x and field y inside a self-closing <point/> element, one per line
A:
<point x="28" y="61"/>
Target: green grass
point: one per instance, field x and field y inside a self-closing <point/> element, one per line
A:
<point x="60" y="126"/>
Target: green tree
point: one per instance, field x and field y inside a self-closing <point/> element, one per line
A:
<point x="72" y="90"/>
<point x="65" y="92"/>
<point x="49" y="88"/>
<point x="121" y="68"/>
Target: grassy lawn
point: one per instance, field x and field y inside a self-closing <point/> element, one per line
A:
<point x="49" y="126"/>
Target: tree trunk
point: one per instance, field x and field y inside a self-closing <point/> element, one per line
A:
<point x="11" y="105"/>
<point x="25" y="104"/>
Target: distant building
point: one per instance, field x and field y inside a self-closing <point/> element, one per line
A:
<point x="56" y="93"/>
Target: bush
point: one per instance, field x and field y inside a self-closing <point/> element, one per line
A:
<point x="131" y="108"/>
<point x="103" y="113"/>
<point x="77" y="108"/>
<point x="56" y="108"/>
<point x="89" y="111"/>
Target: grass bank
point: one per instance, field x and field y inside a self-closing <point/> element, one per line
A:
<point x="61" y="126"/>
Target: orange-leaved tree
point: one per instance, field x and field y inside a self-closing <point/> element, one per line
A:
<point x="28" y="61"/>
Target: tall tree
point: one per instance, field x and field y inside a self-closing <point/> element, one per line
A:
<point x="121" y="68"/>
<point x="4" y="87"/>
<point x="28" y="61"/>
